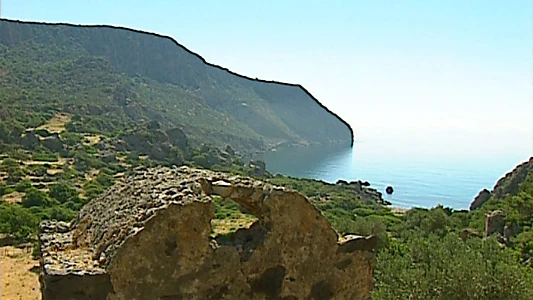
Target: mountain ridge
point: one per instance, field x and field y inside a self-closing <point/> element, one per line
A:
<point x="202" y="60"/>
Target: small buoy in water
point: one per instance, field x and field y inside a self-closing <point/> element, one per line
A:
<point x="389" y="190"/>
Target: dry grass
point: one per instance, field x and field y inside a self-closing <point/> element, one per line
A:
<point x="93" y="139"/>
<point x="224" y="226"/>
<point x="18" y="281"/>
<point x="56" y="124"/>
<point x="14" y="197"/>
<point x="119" y="175"/>
<point x="92" y="174"/>
<point x="398" y="210"/>
<point x="54" y="171"/>
<point x="61" y="161"/>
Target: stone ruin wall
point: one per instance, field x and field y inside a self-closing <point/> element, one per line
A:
<point x="149" y="237"/>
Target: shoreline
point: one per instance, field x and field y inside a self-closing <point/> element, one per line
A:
<point x="398" y="209"/>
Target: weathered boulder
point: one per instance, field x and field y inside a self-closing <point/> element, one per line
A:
<point x="389" y="190"/>
<point x="480" y="199"/>
<point x="258" y="168"/>
<point x="494" y="223"/>
<point x="178" y="138"/>
<point x="149" y="237"/>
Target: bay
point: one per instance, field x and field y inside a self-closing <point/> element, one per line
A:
<point x="419" y="179"/>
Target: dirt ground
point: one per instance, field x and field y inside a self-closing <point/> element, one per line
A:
<point x="15" y="197"/>
<point x="56" y="124"/>
<point x="399" y="210"/>
<point x="18" y="281"/>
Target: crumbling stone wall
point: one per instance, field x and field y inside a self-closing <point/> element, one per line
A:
<point x="149" y="237"/>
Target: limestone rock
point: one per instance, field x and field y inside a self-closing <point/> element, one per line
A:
<point x="149" y="237"/>
<point x="480" y="199"/>
<point x="510" y="183"/>
<point x="495" y="223"/>
<point x="258" y="168"/>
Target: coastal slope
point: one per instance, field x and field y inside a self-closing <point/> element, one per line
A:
<point x="133" y="76"/>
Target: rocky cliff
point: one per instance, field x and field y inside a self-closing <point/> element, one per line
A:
<point x="150" y="237"/>
<point x="507" y="185"/>
<point x="135" y="76"/>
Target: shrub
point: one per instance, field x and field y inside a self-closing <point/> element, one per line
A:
<point x="447" y="268"/>
<point x="17" y="221"/>
<point x="34" y="197"/>
<point x="23" y="186"/>
<point x="62" y="192"/>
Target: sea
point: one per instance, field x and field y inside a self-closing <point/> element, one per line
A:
<point x="421" y="178"/>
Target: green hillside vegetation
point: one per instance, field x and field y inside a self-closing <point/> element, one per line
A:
<point x="81" y="107"/>
<point x="112" y="78"/>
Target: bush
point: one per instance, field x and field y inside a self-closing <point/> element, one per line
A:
<point x="62" y="192"/>
<point x="9" y="164"/>
<point x="37" y="170"/>
<point x="15" y="175"/>
<point x="43" y="154"/>
<point x="93" y="189"/>
<point x="42" y="132"/>
<point x="105" y="180"/>
<point x="4" y="189"/>
<point x="71" y="138"/>
<point x="17" y="221"/>
<point x="447" y="268"/>
<point x="23" y="186"/>
<point x="34" y="197"/>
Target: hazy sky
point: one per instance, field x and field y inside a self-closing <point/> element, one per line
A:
<point x="447" y="73"/>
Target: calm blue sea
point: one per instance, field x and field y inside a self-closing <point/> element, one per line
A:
<point x="418" y="180"/>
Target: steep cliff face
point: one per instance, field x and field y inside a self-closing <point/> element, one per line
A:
<point x="507" y="185"/>
<point x="149" y="237"/>
<point x="146" y="76"/>
<point x="510" y="183"/>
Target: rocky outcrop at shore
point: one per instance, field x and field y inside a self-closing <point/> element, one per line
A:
<point x="507" y="185"/>
<point x="481" y="198"/>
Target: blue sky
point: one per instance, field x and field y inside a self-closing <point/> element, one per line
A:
<point x="429" y="74"/>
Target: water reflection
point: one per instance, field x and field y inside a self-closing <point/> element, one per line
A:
<point x="418" y="180"/>
<point x="318" y="162"/>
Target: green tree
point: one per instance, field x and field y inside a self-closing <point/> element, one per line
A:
<point x="62" y="192"/>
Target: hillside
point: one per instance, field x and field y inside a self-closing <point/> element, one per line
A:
<point x="112" y="78"/>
